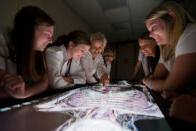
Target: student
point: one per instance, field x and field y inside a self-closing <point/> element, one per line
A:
<point x="108" y="56"/>
<point x="148" y="56"/>
<point x="93" y="63"/>
<point x="160" y="74"/>
<point x="173" y="28"/>
<point x="63" y="59"/>
<point x="23" y="70"/>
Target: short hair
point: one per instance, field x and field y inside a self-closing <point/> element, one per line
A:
<point x="99" y="37"/>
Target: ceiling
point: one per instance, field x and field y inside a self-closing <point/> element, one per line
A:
<point x="119" y="20"/>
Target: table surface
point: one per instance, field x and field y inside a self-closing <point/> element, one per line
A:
<point x="25" y="117"/>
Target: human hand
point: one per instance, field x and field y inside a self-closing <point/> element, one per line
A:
<point x="14" y="85"/>
<point x="19" y="92"/>
<point x="147" y="82"/>
<point x="10" y="81"/>
<point x="69" y="79"/>
<point x="105" y="79"/>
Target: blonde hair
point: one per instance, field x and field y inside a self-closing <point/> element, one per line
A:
<point x="99" y="37"/>
<point x="176" y="19"/>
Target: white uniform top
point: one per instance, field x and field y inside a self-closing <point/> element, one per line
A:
<point x="5" y="62"/>
<point x="143" y="59"/>
<point x="187" y="45"/>
<point x="187" y="42"/>
<point x="57" y="62"/>
<point x="108" y="67"/>
<point x="93" y="68"/>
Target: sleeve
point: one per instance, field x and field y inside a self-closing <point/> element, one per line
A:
<point x="108" y="67"/>
<point x="161" y="60"/>
<point x="101" y="68"/>
<point x="186" y="44"/>
<point x="54" y="62"/>
<point x="77" y="72"/>
<point x="3" y="52"/>
<point x="140" y="56"/>
<point x="89" y="70"/>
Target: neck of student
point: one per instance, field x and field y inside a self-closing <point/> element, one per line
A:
<point x="69" y="54"/>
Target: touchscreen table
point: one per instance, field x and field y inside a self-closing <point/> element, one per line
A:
<point x="121" y="107"/>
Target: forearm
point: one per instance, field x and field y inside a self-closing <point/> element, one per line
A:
<point x="36" y="88"/>
<point x="89" y="76"/>
<point x="156" y="85"/>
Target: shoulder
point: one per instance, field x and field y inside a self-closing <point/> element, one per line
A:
<point x="3" y="44"/>
<point x="55" y="53"/>
<point x="186" y="43"/>
<point x="56" y="50"/>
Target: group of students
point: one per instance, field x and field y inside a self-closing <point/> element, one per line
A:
<point x="77" y="59"/>
<point x="29" y="66"/>
<point x="174" y="31"/>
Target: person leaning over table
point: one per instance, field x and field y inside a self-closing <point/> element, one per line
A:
<point x="23" y="71"/>
<point x="173" y="28"/>
<point x="108" y="57"/>
<point x="63" y="59"/>
<point x="148" y="56"/>
<point x="93" y="62"/>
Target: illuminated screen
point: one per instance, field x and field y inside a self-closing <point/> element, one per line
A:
<point x="115" y="107"/>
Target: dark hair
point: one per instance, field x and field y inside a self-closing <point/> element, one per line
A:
<point x="145" y="36"/>
<point x="30" y="64"/>
<point x="77" y="37"/>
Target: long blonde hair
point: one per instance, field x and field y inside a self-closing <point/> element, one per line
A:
<point x="176" y="19"/>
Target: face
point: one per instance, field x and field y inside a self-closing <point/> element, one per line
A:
<point x="43" y="36"/>
<point x="147" y="47"/>
<point x="109" y="57"/>
<point x="157" y="29"/>
<point x="96" y="47"/>
<point x="79" y="50"/>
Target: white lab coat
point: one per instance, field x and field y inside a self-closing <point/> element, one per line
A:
<point x="108" y="67"/>
<point x="6" y="63"/>
<point x="57" y="60"/>
<point x="93" y="67"/>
